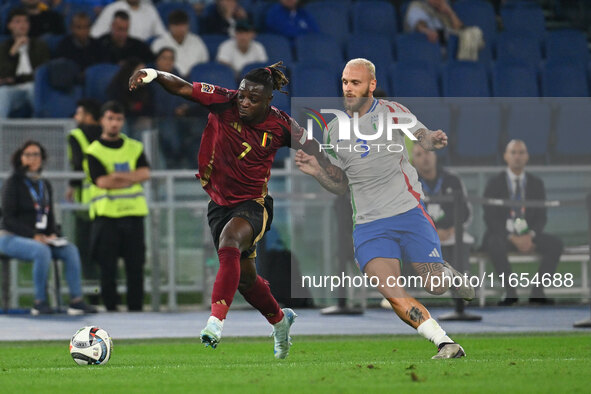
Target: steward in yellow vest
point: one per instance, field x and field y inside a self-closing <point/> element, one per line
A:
<point x="117" y="166"/>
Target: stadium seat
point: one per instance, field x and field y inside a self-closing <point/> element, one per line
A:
<point x="514" y="80"/>
<point x="282" y="101"/>
<point x="164" y="9"/>
<point x="364" y="45"/>
<point x="478" y="13"/>
<point x="413" y="79"/>
<point x="212" y="42"/>
<point x="214" y="73"/>
<point x="518" y="47"/>
<point x="277" y="47"/>
<point x="97" y="79"/>
<point x="465" y="79"/>
<point x="564" y="79"/>
<point x="259" y="14"/>
<point x="50" y="102"/>
<point x="52" y="41"/>
<point x="567" y="44"/>
<point x="573" y="140"/>
<point x="374" y="17"/>
<point x="319" y="49"/>
<point x="526" y="17"/>
<point x="476" y="139"/>
<point x="531" y="123"/>
<point x="416" y="47"/>
<point x="332" y="17"/>
<point x="313" y="81"/>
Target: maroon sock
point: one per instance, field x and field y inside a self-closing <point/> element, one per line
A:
<point x="226" y="282"/>
<point x="261" y="298"/>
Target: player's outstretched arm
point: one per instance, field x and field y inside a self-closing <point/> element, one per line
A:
<point x="431" y="140"/>
<point x="170" y="82"/>
<point x="330" y="177"/>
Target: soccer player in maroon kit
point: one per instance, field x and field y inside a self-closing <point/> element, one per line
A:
<point x="238" y="146"/>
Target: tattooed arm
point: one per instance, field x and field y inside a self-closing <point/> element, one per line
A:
<point x="331" y="177"/>
<point x="431" y="140"/>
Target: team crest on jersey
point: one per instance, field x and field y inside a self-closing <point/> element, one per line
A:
<point x="207" y="88"/>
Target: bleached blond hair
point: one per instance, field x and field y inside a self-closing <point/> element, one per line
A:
<point x="365" y="63"/>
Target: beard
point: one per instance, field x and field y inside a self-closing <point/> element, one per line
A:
<point x="353" y="104"/>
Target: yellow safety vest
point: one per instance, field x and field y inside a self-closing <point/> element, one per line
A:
<point x="82" y="194"/>
<point x="117" y="203"/>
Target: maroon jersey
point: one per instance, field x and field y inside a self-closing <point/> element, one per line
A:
<point x="234" y="158"/>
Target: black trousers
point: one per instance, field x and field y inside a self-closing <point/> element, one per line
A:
<point x="549" y="247"/>
<point x="114" y="238"/>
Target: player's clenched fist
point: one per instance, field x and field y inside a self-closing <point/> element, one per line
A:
<point x="142" y="77"/>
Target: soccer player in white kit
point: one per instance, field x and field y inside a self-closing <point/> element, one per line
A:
<point x="390" y="221"/>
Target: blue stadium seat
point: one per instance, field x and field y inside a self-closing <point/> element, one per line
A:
<point x="514" y="80"/>
<point x="50" y="102"/>
<point x="416" y="47"/>
<point x="364" y="45"/>
<point x="465" y="79"/>
<point x="52" y="41"/>
<point x="526" y="17"/>
<point x="374" y="17"/>
<point x="164" y="9"/>
<point x="313" y="81"/>
<point x="518" y="47"/>
<point x="259" y="14"/>
<point x="213" y="73"/>
<point x="282" y="101"/>
<point x="476" y="138"/>
<point x="319" y="49"/>
<point x="573" y="140"/>
<point x="564" y="79"/>
<point x="277" y="47"/>
<point x="413" y="79"/>
<point x="332" y="17"/>
<point x="251" y="66"/>
<point x="478" y="13"/>
<point x="530" y="122"/>
<point x="97" y="79"/>
<point x="212" y="42"/>
<point x="567" y="44"/>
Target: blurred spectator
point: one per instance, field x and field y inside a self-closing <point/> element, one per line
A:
<point x="87" y="131"/>
<point x="433" y="18"/>
<point x="117" y="166"/>
<point x="28" y="229"/>
<point x="190" y="49"/>
<point x="290" y="20"/>
<point x="19" y="57"/>
<point x="221" y="17"/>
<point x="135" y="103"/>
<point x="43" y="19"/>
<point x="519" y="229"/>
<point x="242" y="49"/>
<point x="118" y="46"/>
<point x="436" y="181"/>
<point x="145" y="21"/>
<point x="79" y="46"/>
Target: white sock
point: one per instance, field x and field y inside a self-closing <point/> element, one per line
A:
<point x="432" y="331"/>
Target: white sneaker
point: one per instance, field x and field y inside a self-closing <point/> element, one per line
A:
<point x="212" y="333"/>
<point x="281" y="333"/>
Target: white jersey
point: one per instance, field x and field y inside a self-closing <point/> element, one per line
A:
<point x="382" y="181"/>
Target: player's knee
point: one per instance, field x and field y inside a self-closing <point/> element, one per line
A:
<point x="436" y="283"/>
<point x="229" y="241"/>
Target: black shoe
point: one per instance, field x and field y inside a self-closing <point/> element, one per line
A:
<point x="41" y="308"/>
<point x="541" y="301"/>
<point x="508" y="301"/>
<point x="80" y="308"/>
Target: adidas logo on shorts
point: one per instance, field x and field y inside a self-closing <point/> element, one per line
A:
<point x="434" y="253"/>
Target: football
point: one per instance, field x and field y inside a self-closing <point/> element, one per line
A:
<point x="91" y="346"/>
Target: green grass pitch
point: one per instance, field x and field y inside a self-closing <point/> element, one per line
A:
<point x="527" y="363"/>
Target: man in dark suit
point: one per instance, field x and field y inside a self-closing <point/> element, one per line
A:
<point x="519" y="229"/>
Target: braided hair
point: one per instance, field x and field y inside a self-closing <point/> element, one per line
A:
<point x="271" y="77"/>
